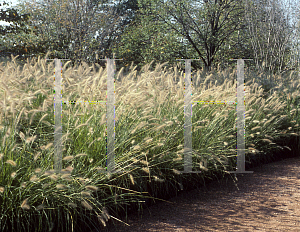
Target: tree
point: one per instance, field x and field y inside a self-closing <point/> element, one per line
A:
<point x="146" y="39"/>
<point x="140" y="44"/>
<point x="212" y="31"/>
<point x="129" y="11"/>
<point x="221" y="28"/>
<point x="12" y="42"/>
<point x="61" y="22"/>
<point x="270" y="34"/>
<point x="212" y="25"/>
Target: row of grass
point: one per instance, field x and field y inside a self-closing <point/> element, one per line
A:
<point x="149" y="140"/>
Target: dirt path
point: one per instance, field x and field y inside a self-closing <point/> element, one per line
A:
<point x="267" y="200"/>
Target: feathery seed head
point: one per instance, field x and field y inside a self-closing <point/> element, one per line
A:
<point x="159" y="144"/>
<point x="177" y="159"/>
<point x="179" y="146"/>
<point x="91" y="188"/>
<point x="72" y="204"/>
<point x="38" y="170"/>
<point x="203" y="167"/>
<point x="144" y="162"/>
<point x="269" y="137"/>
<point x="21" y="134"/>
<point x="48" y="145"/>
<point x="81" y="180"/>
<point x="86" y="205"/>
<point x="176" y="171"/>
<point x="61" y="186"/>
<point x="45" y="185"/>
<point x="131" y="179"/>
<point x="99" y="168"/>
<point x="24" y="205"/>
<point x="13" y="174"/>
<point x="158" y="179"/>
<point x="105" y="213"/>
<point x="66" y="176"/>
<point x="49" y="172"/>
<point x="81" y="154"/>
<point x="23" y="185"/>
<point x="30" y="139"/>
<point x="257" y="127"/>
<point x="149" y="140"/>
<point x="101" y="220"/>
<point x="136" y="147"/>
<point x="11" y="162"/>
<point x="40" y="207"/>
<point x="53" y="177"/>
<point x="33" y="178"/>
<point x="70" y="157"/>
<point x="69" y="169"/>
<point x="135" y="160"/>
<point x="85" y="194"/>
<point x="36" y="156"/>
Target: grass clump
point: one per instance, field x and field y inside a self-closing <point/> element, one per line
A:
<point x="149" y="138"/>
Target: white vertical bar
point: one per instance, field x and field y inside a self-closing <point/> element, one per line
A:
<point x="240" y="124"/>
<point x="110" y="116"/>
<point x="188" y="118"/>
<point x="188" y="151"/>
<point x="240" y="108"/>
<point x="57" y="117"/>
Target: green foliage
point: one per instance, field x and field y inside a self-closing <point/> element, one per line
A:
<point x="145" y="40"/>
<point x="18" y="27"/>
<point x="145" y="34"/>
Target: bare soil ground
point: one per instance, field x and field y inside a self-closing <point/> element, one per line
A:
<point x="267" y="200"/>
